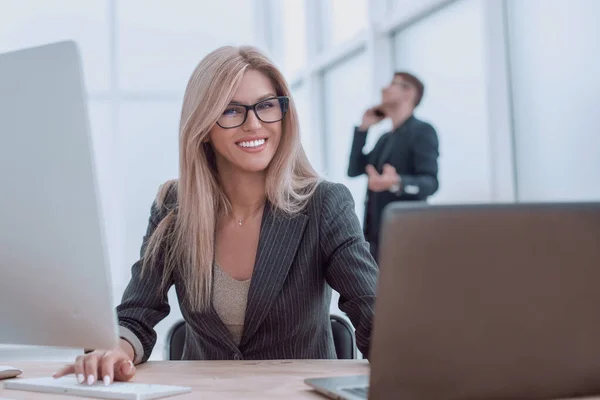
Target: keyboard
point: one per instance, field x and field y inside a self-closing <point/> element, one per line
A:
<point x="362" y="391"/>
<point x="117" y="390"/>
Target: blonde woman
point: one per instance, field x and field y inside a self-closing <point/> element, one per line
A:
<point x="249" y="235"/>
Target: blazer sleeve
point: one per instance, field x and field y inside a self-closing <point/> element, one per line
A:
<point x="424" y="182"/>
<point x="145" y="302"/>
<point x="358" y="159"/>
<point x="351" y="270"/>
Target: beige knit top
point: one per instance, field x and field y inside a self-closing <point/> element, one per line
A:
<point x="229" y="301"/>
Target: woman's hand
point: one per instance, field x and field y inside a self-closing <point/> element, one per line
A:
<point x="108" y="365"/>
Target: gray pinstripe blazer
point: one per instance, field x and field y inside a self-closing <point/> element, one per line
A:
<point x="299" y="259"/>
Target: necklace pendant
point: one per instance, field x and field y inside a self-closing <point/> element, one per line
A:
<point x="240" y="222"/>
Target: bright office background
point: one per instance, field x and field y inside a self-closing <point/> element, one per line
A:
<point x="512" y="87"/>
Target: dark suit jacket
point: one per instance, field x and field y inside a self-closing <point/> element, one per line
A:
<point x="299" y="259"/>
<point x="413" y="150"/>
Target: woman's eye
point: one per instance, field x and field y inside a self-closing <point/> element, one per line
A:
<point x="230" y="112"/>
<point x="266" y="104"/>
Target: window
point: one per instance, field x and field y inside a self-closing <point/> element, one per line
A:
<point x="346" y="18"/>
<point x="396" y="6"/>
<point x="149" y="157"/>
<point x="36" y="22"/>
<point x="446" y="51"/>
<point x="294" y="36"/>
<point x="346" y="86"/>
<point x="556" y="89"/>
<point x="104" y="143"/>
<point x="301" y="96"/>
<point x="160" y="43"/>
<point x="407" y="7"/>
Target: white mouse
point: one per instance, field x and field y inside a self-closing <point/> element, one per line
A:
<point x="7" y="372"/>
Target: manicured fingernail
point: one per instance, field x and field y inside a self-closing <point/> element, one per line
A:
<point x="106" y="380"/>
<point x="90" y="379"/>
<point x="80" y="378"/>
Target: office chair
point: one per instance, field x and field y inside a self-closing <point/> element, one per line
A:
<point x="175" y="340"/>
<point x="343" y="339"/>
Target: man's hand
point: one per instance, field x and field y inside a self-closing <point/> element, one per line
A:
<point x="382" y="182"/>
<point x="370" y="117"/>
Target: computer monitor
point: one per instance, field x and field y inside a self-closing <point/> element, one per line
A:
<point x="55" y="286"/>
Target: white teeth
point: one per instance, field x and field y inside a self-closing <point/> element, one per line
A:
<point x="252" y="143"/>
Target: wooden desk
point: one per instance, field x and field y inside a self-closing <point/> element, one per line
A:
<point x="281" y="379"/>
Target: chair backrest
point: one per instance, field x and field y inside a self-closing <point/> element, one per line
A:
<point x="175" y="341"/>
<point x="343" y="339"/>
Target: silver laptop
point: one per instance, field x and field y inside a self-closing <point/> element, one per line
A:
<point x="55" y="287"/>
<point x="490" y="301"/>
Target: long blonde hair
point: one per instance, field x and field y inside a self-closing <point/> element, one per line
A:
<point x="185" y="236"/>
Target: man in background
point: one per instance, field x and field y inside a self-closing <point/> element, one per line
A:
<point x="403" y="165"/>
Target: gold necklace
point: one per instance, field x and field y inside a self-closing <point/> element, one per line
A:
<point x="241" y="221"/>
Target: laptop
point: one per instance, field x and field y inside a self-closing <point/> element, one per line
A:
<point x="55" y="286"/>
<point x="484" y="301"/>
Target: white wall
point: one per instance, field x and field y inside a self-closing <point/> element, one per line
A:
<point x="160" y="42"/>
<point x="345" y="102"/>
<point x="300" y="95"/>
<point x="556" y="86"/>
<point x="344" y="19"/>
<point x="26" y="23"/>
<point x="514" y="113"/>
<point x="446" y="51"/>
<point x="293" y="29"/>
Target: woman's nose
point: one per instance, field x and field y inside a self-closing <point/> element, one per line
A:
<point x="252" y="122"/>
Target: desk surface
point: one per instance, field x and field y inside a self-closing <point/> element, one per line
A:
<point x="280" y="379"/>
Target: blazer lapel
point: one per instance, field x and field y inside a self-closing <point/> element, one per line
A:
<point x="385" y="154"/>
<point x="210" y="324"/>
<point x="280" y="236"/>
<point x="390" y="145"/>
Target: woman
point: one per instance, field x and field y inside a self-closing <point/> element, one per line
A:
<point x="249" y="235"/>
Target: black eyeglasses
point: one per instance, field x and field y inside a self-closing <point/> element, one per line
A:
<point x="402" y="84"/>
<point x="268" y="111"/>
